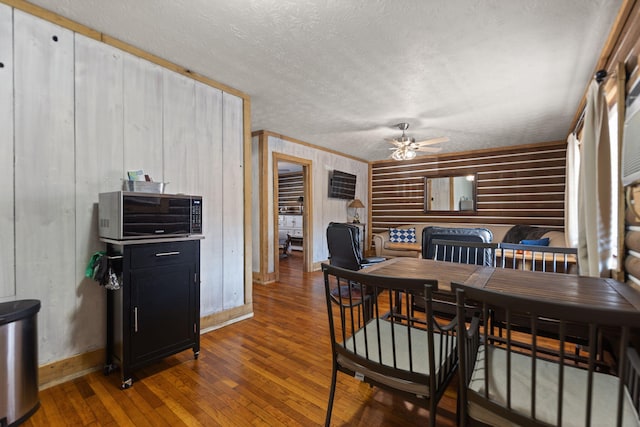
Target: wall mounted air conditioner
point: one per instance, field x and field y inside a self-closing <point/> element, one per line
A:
<point x="630" y="172"/>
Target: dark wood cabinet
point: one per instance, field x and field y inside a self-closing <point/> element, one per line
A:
<point x="156" y="311"/>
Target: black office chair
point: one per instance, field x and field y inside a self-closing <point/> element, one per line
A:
<point x="343" y="241"/>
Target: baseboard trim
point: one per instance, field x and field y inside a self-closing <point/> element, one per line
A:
<point x="264" y="279"/>
<point x="73" y="367"/>
<point x="227" y="317"/>
<point x="317" y="266"/>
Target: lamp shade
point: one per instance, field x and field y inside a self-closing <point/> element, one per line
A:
<point x="356" y="203"/>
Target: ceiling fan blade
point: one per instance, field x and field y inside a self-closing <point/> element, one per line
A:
<point x="432" y="141"/>
<point x="394" y="142"/>
<point x="429" y="149"/>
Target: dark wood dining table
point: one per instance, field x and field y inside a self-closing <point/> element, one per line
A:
<point x="602" y="292"/>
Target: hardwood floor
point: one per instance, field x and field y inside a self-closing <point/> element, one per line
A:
<point x="271" y="370"/>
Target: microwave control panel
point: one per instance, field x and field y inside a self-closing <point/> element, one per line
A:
<point x="196" y="215"/>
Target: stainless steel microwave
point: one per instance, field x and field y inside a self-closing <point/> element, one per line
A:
<point x="124" y="215"/>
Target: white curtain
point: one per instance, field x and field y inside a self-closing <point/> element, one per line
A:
<point x="594" y="188"/>
<point x="571" y="191"/>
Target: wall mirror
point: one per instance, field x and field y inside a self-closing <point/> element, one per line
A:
<point x="450" y="193"/>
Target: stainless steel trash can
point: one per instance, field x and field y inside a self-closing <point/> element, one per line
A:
<point x="18" y="361"/>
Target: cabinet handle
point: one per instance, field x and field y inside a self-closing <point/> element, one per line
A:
<point x="135" y="319"/>
<point x="167" y="253"/>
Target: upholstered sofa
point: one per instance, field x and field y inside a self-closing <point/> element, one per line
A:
<point x="501" y="233"/>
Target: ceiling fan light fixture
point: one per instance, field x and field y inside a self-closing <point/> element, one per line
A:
<point x="397" y="155"/>
<point x="406" y="146"/>
<point x="404" y="153"/>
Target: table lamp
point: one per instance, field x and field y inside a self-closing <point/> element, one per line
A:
<point x="356" y="204"/>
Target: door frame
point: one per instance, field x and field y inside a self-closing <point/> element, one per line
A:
<point x="307" y="211"/>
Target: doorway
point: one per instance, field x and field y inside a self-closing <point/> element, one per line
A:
<point x="292" y="211"/>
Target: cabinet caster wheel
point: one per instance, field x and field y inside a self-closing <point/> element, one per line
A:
<point x="108" y="369"/>
<point x="196" y="354"/>
<point x="126" y="384"/>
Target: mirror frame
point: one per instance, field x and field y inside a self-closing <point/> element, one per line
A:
<point x="427" y="194"/>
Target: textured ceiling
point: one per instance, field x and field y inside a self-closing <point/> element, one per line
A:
<point x="340" y="73"/>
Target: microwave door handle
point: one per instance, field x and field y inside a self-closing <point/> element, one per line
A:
<point x="167" y="253"/>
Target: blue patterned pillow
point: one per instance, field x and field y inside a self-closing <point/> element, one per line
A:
<point x="402" y="235"/>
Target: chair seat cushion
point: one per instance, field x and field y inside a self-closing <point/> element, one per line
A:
<point x="419" y="352"/>
<point x="574" y="395"/>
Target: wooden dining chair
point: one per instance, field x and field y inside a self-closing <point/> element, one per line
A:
<point x="524" y="379"/>
<point x="413" y="357"/>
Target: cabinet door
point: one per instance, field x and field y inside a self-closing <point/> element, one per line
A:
<point x="163" y="306"/>
<point x="7" y="281"/>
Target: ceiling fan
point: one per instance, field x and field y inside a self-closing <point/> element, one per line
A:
<point x="406" y="146"/>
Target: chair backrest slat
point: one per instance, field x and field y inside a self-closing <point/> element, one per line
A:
<point x="537" y="258"/>
<point x="464" y="252"/>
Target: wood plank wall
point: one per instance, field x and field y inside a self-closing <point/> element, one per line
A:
<point x="290" y="188"/>
<point x="515" y="185"/>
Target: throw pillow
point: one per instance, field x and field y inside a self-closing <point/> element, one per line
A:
<point x="402" y="235"/>
<point x="538" y="242"/>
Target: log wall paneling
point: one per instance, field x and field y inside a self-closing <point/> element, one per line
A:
<point x="210" y="184"/>
<point x="290" y="188"/>
<point x="233" y="201"/>
<point x="632" y="245"/>
<point x="515" y="185"/>
<point x="44" y="165"/>
<point x="7" y="280"/>
<point x="143" y="116"/>
<point x="99" y="168"/>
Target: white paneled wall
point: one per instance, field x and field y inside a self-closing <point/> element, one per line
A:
<point x="255" y="202"/>
<point x="7" y="260"/>
<point x="232" y="200"/>
<point x="179" y="133"/>
<point x="44" y="177"/>
<point x="325" y="209"/>
<point x="98" y="156"/>
<point x="209" y="146"/>
<point x="143" y="116"/>
<point x="85" y="113"/>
